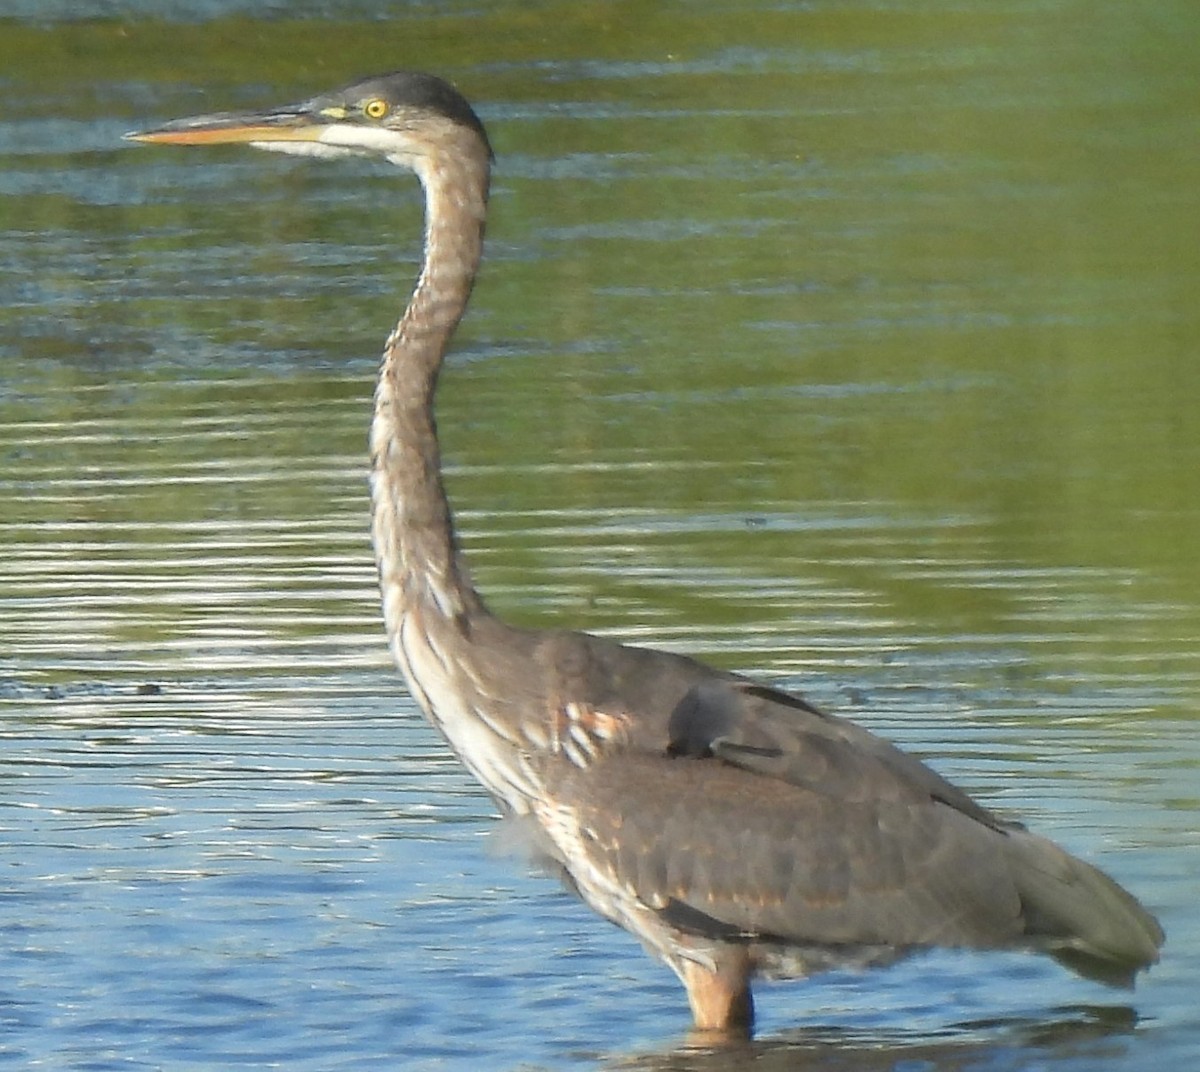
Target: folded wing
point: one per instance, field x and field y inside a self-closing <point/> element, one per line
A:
<point x="768" y="820"/>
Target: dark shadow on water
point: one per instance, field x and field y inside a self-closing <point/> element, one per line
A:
<point x="1067" y="1034"/>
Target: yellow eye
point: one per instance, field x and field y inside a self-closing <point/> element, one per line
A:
<point x="376" y="108"/>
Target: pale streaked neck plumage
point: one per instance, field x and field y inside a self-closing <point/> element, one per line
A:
<point x="420" y="568"/>
<point x="434" y="616"/>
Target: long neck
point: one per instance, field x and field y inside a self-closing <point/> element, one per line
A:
<point x="419" y="566"/>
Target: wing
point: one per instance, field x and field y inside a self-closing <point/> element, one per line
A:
<point x="725" y="853"/>
<point x="778" y="735"/>
<point x="766" y="819"/>
<point x="675" y="705"/>
<point x="748" y="814"/>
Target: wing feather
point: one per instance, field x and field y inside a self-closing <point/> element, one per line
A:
<point x="781" y="736"/>
<point x="720" y="851"/>
<point x="757" y="817"/>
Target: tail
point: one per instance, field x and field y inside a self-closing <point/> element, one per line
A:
<point x="1079" y="915"/>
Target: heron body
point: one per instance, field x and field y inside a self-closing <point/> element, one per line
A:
<point x="735" y="829"/>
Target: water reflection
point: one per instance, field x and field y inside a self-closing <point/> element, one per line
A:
<point x="1064" y="1037"/>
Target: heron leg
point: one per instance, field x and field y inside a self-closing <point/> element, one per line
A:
<point x="721" y="1001"/>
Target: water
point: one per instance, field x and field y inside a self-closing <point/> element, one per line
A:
<point x="851" y="345"/>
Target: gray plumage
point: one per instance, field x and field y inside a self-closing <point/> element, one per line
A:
<point x="734" y="829"/>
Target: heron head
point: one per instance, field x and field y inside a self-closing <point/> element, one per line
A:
<point x="405" y="117"/>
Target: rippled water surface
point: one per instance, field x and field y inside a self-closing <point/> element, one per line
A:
<point x="853" y="345"/>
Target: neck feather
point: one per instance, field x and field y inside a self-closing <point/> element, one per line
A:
<point x="420" y="568"/>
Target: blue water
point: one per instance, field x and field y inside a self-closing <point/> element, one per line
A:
<point x="214" y="877"/>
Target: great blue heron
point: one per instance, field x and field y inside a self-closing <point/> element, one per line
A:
<point x="735" y="829"/>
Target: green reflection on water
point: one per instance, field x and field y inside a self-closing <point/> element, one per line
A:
<point x="851" y="307"/>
